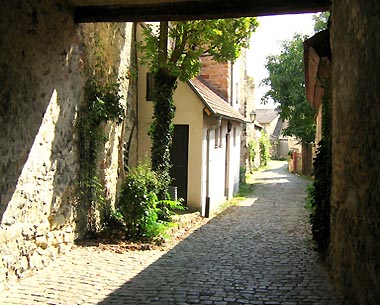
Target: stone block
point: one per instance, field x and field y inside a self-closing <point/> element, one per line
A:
<point x="3" y="236"/>
<point x="10" y="233"/>
<point x="42" y="242"/>
<point x="26" y="247"/>
<point x="35" y="261"/>
<point x="28" y="232"/>
<point x="57" y="221"/>
<point x="68" y="238"/>
<point x="22" y="267"/>
<point x="58" y="238"/>
<point x="9" y="219"/>
<point x="3" y="276"/>
<point x="42" y="229"/>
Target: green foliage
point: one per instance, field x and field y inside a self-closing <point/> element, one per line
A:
<point x="287" y="88"/>
<point x="310" y="198"/>
<point x="265" y="148"/>
<point x="103" y="102"/>
<point x="172" y="51"/>
<point x="223" y="39"/>
<point x="161" y="130"/>
<point x="252" y="152"/>
<point x="167" y="208"/>
<point x="245" y="189"/>
<point x="101" y="105"/>
<point x="145" y="217"/>
<point x="321" y="21"/>
<point x="322" y="166"/>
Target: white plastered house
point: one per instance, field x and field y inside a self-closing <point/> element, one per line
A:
<point x="206" y="144"/>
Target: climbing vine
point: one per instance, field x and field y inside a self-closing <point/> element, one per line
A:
<point x="161" y="131"/>
<point x="321" y="190"/>
<point x="252" y="151"/>
<point x="101" y="105"/>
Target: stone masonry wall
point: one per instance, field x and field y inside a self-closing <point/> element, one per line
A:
<point x="355" y="205"/>
<point x="109" y="46"/>
<point x="45" y="58"/>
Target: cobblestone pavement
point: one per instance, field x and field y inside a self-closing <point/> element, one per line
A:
<point x="259" y="252"/>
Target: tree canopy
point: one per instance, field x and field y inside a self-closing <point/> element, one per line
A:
<point x="287" y="84"/>
<point x="321" y="21"/>
<point x="287" y="89"/>
<point x="177" y="46"/>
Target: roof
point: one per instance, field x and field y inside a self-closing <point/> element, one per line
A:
<point x="266" y="116"/>
<point x="215" y="103"/>
<point x="279" y="127"/>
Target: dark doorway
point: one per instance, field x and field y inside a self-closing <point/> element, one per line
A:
<point x="179" y="159"/>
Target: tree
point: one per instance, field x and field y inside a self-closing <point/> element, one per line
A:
<point x="287" y="88"/>
<point x="321" y="21"/>
<point x="172" y="52"/>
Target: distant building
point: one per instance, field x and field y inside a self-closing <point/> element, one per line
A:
<point x="273" y="125"/>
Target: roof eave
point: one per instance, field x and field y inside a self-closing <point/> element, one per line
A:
<point x="213" y="112"/>
<point x="201" y="98"/>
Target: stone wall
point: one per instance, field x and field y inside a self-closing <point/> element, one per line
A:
<point x="355" y="205"/>
<point x="44" y="64"/>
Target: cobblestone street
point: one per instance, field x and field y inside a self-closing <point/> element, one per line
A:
<point x="259" y="253"/>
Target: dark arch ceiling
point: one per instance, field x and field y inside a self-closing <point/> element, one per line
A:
<point x="157" y="10"/>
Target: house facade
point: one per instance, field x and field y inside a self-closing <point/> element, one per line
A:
<point x="273" y="125"/>
<point x="205" y="152"/>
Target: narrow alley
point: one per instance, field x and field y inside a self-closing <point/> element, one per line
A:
<point x="259" y="253"/>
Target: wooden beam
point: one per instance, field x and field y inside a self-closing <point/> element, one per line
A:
<point x="196" y="9"/>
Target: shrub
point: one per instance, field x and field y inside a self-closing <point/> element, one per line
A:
<point x="265" y="147"/>
<point x="252" y="151"/>
<point x="145" y="216"/>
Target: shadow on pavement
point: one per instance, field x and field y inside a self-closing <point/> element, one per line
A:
<point x="253" y="254"/>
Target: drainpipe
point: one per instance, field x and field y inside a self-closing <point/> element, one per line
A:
<point x="232" y="84"/>
<point x="213" y="127"/>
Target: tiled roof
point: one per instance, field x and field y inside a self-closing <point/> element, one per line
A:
<point x="214" y="103"/>
<point x="265" y="116"/>
<point x="279" y="127"/>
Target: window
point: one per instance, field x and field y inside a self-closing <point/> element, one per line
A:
<point x="149" y="86"/>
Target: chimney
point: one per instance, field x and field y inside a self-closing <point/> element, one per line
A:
<point x="217" y="75"/>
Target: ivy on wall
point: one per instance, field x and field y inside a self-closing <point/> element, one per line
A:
<point x="101" y="105"/>
<point x="252" y="151"/>
<point x="321" y="189"/>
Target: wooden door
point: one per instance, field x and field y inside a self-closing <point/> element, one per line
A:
<point x="179" y="160"/>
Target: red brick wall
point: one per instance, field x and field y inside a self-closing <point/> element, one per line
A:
<point x="218" y="75"/>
